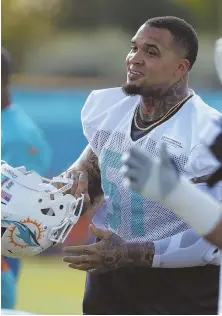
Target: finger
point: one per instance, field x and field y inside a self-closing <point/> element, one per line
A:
<point x="142" y="157"/>
<point x="163" y="150"/>
<point x="86" y="204"/>
<point x="82" y="184"/>
<point x="87" y="198"/>
<point x="83" y="267"/>
<point x="137" y="154"/>
<point x="74" y="187"/>
<point x="164" y="155"/>
<point x="130" y="173"/>
<point x="69" y="174"/>
<point x="74" y="176"/>
<point x="78" y="250"/>
<point x="77" y="259"/>
<point x="59" y="184"/>
<point x="131" y="183"/>
<point x="98" y="232"/>
<point x="132" y="162"/>
<point x="126" y="183"/>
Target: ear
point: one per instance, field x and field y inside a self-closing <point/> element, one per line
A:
<point x="183" y="67"/>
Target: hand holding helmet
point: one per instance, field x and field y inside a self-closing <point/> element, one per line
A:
<point x="35" y="214"/>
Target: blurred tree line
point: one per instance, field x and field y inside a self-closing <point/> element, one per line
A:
<point x="130" y="14"/>
<point x="26" y="23"/>
<point x="30" y="23"/>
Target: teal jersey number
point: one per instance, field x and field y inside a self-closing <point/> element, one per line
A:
<point x="110" y="165"/>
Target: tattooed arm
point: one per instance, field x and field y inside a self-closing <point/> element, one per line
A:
<point x="183" y="250"/>
<point x="109" y="253"/>
<point x="86" y="174"/>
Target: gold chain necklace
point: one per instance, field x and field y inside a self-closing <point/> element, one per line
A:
<point x="161" y="119"/>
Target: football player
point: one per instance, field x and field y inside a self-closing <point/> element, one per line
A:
<point x="150" y="176"/>
<point x="159" y="179"/>
<point x="139" y="238"/>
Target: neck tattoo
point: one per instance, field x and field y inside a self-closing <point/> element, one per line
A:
<point x="152" y="108"/>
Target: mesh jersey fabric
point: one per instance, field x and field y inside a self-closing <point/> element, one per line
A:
<point x="107" y="119"/>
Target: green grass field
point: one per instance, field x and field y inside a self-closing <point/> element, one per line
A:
<point x="48" y="286"/>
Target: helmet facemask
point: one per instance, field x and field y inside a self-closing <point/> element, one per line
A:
<point x="35" y="214"/>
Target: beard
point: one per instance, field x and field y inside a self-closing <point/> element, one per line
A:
<point x="133" y="90"/>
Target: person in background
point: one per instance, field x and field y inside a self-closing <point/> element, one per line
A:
<point x="22" y="144"/>
<point x="8" y="287"/>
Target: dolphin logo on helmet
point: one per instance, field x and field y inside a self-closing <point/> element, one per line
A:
<point x="29" y="237"/>
<point x="36" y="197"/>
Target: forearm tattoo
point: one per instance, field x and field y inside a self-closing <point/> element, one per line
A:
<point x="91" y="165"/>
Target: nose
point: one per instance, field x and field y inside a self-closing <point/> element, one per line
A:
<point x="136" y="58"/>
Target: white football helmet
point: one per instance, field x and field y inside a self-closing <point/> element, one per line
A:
<point x="35" y="214"/>
<point x="218" y="57"/>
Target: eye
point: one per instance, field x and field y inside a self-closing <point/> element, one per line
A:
<point x="150" y="53"/>
<point x="133" y="48"/>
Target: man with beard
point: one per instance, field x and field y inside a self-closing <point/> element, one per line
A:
<point x="148" y="176"/>
<point x="137" y="234"/>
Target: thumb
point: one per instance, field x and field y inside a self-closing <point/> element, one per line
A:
<point x="98" y="232"/>
<point x="167" y="161"/>
<point x="164" y="155"/>
<point x="163" y="150"/>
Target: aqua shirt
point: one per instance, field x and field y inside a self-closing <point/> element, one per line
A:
<point x="23" y="143"/>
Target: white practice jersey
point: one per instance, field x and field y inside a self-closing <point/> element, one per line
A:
<point x="107" y="119"/>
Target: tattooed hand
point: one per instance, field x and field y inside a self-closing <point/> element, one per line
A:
<point x="86" y="180"/>
<point x="110" y="253"/>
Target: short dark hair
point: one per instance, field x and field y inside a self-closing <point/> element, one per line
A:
<point x="6" y="66"/>
<point x="184" y="34"/>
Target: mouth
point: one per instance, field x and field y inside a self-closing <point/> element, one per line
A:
<point x="134" y="75"/>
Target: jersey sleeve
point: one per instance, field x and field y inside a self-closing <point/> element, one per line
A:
<point x="187" y="249"/>
<point x="100" y="115"/>
<point x="201" y="161"/>
<point x="184" y="250"/>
